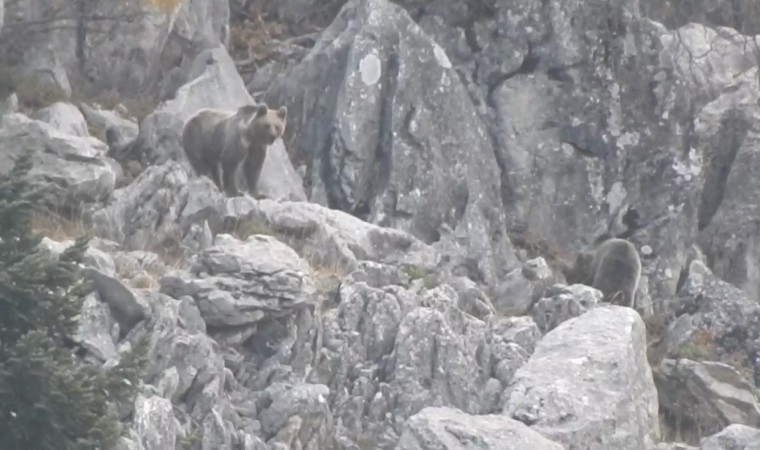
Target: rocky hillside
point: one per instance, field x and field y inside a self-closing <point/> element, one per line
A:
<point x="396" y="283"/>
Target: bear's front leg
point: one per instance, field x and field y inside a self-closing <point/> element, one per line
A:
<point x="228" y="177"/>
<point x="216" y="176"/>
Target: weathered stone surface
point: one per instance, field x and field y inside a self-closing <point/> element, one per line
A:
<point x="713" y="320"/>
<point x="142" y="43"/>
<point x="154" y="207"/>
<point x="65" y="118"/>
<point x="711" y="394"/>
<point x="244" y="282"/>
<point x="563" y="303"/>
<point x="125" y="306"/>
<point x="588" y="383"/>
<point x="94" y="329"/>
<point x="449" y="429"/>
<point x="733" y="437"/>
<point x="330" y="238"/>
<point x="309" y="402"/>
<point x="73" y="166"/>
<point x="427" y="169"/>
<point x="154" y="422"/>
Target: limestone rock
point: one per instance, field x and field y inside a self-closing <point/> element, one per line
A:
<point x="588" y="384"/>
<point x="449" y="429"/>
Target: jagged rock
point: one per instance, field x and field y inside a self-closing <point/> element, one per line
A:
<point x="129" y="444"/>
<point x="588" y="383"/>
<point x="427" y="169"/>
<point x="522" y="287"/>
<point x="101" y="120"/>
<point x="149" y="213"/>
<point x="73" y="166"/>
<point x="215" y="434"/>
<point x="307" y="401"/>
<point x="564" y="303"/>
<point x="333" y="239"/>
<point x="65" y="118"/>
<point x="100" y="261"/>
<point x="124" y="304"/>
<point x="725" y="138"/>
<point x="154" y="422"/>
<point x="243" y="282"/>
<point x="94" y="329"/>
<point x="733" y="437"/>
<point x="93" y="257"/>
<point x="450" y="429"/>
<point x="472" y="299"/>
<point x="214" y="83"/>
<point x="132" y="64"/>
<point x="710" y="319"/>
<point x="511" y="341"/>
<point x="707" y="393"/>
<point x="440" y="358"/>
<point x="196" y="358"/>
<point x="673" y="446"/>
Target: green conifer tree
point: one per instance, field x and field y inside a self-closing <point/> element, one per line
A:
<point x="49" y="398"/>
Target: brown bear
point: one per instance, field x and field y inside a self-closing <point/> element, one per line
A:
<point x="614" y="268"/>
<point x="217" y="142"/>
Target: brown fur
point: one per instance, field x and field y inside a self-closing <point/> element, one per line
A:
<point x="217" y="143"/>
<point x="614" y="268"/>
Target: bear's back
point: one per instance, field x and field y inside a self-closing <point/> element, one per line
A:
<point x="616" y="270"/>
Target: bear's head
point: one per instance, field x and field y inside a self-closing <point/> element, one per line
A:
<point x="265" y="124"/>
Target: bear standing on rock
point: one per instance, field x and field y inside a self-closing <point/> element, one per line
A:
<point x="614" y="267"/>
<point x="217" y="142"/>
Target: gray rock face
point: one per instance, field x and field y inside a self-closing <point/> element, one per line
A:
<point x="95" y="327"/>
<point x="333" y="239"/>
<point x="148" y="211"/>
<point x="74" y="166"/>
<point x="571" y="388"/>
<point x="450" y="429"/>
<point x="726" y="138"/>
<point x="101" y="120"/>
<point x="244" y="282"/>
<point x="143" y="39"/>
<point x="563" y="304"/>
<point x="154" y="422"/>
<point x="427" y="169"/>
<point x="733" y="437"/>
<point x="125" y="306"/>
<point x="711" y="319"/>
<point x="65" y="118"/>
<point x="711" y="394"/>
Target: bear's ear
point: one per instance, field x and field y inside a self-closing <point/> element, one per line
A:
<point x="282" y="112"/>
<point x="262" y="110"/>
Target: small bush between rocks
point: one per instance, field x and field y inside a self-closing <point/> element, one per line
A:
<point x="56" y="226"/>
<point x="429" y="278"/>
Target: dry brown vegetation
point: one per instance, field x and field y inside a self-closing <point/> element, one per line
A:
<point x="251" y="38"/>
<point x="56" y="226"/>
<point x="535" y="245"/>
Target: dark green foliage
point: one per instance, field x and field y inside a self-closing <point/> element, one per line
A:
<point x="49" y="399"/>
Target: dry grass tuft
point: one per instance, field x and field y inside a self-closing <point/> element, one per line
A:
<point x="56" y="226"/>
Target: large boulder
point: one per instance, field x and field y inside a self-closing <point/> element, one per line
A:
<point x="588" y="384"/>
